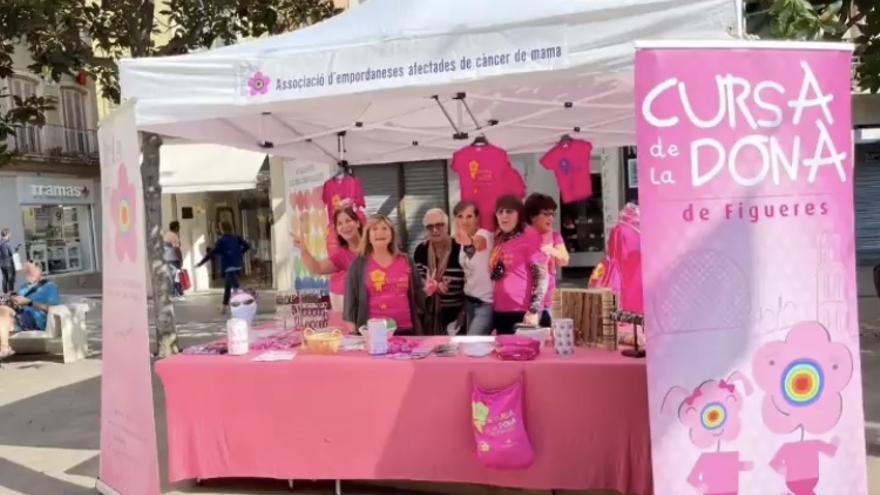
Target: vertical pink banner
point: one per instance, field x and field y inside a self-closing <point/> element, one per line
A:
<point x="746" y="190"/>
<point x="129" y="460"/>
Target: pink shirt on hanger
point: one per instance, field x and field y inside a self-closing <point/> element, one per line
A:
<point x="388" y="289"/>
<point x="570" y="161"/>
<point x="485" y="174"/>
<point x="512" y="292"/>
<point x="338" y="189"/>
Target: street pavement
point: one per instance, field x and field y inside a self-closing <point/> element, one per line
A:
<point x="49" y="414"/>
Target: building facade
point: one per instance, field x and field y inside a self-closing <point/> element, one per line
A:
<point x="50" y="190"/>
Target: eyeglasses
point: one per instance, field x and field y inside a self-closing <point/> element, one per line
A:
<point x="246" y="302"/>
<point x="435" y="226"/>
<point x="548" y="213"/>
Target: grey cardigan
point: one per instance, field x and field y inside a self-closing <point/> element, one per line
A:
<point x="357" y="299"/>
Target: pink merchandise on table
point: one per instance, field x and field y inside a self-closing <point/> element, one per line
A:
<point x="570" y="161"/>
<point x="231" y="417"/>
<point x="511" y="290"/>
<point x="621" y="271"/>
<point x="485" y="174"/>
<point x="500" y="434"/>
<point x="338" y="189"/>
<point x="388" y="289"/>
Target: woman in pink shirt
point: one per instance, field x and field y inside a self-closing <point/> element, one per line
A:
<point x="541" y="210"/>
<point x="382" y="282"/>
<point x="349" y="230"/>
<point x="518" y="267"/>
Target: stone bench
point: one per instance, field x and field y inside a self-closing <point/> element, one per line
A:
<point x="66" y="332"/>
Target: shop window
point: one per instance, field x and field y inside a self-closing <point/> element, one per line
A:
<point x="582" y="222"/>
<point x="59" y="238"/>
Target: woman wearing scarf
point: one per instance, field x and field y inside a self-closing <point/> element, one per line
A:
<point x="437" y="260"/>
<point x="518" y="267"/>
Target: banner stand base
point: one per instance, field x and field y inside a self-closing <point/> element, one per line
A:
<point x="104" y="489"/>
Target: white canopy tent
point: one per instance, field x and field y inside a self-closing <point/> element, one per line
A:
<point x="415" y="80"/>
<point x="183" y="168"/>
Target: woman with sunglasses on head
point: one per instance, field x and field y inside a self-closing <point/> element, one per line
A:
<point x="518" y="267"/>
<point x="540" y="211"/>
<point x="383" y="282"/>
<point x="436" y="259"/>
<point x="476" y="245"/>
<point x="349" y="230"/>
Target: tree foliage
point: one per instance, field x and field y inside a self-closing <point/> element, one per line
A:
<point x="857" y="21"/>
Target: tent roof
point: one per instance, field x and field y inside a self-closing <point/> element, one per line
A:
<point x="391" y="73"/>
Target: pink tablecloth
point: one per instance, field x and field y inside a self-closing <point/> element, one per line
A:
<point x="353" y="417"/>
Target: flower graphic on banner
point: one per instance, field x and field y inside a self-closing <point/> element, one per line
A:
<point x="378" y="279"/>
<point x="123" y="208"/>
<point x="259" y="84"/>
<point x="803" y="377"/>
<point x="712" y="410"/>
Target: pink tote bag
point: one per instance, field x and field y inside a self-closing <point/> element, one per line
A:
<point x="499" y="427"/>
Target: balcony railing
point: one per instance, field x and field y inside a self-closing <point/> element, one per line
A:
<point x="55" y="141"/>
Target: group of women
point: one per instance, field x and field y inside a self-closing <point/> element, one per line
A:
<point x="509" y="274"/>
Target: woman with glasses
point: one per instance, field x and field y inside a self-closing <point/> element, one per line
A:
<point x="476" y="245"/>
<point x="383" y="282"/>
<point x="541" y="210"/>
<point x="436" y="259"/>
<point x="518" y="267"/>
<point x="349" y="229"/>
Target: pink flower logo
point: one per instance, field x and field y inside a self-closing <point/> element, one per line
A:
<point x="712" y="410"/>
<point x="803" y="377"/>
<point x="123" y="208"/>
<point x="259" y="84"/>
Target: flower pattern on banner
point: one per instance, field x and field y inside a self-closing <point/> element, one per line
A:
<point x="259" y="84"/>
<point x="712" y="410"/>
<point x="123" y="208"/>
<point x="803" y="377"/>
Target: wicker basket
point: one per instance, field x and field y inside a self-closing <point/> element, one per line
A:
<point x="322" y="342"/>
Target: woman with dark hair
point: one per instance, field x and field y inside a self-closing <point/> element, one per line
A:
<point x="476" y="245"/>
<point x="349" y="229"/>
<point x="540" y="211"/>
<point x="382" y="282"/>
<point x="518" y="267"/>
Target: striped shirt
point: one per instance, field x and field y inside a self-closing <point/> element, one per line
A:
<point x="453" y="299"/>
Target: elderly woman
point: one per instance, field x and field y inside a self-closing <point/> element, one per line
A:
<point x="437" y="260"/>
<point x="382" y="282"/>
<point x="28" y="308"/>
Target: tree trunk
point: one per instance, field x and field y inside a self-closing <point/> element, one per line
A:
<point x="163" y="309"/>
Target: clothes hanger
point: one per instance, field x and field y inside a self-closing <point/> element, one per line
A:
<point x="565" y="139"/>
<point x="480" y="141"/>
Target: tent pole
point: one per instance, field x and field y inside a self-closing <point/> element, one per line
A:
<point x="740" y="19"/>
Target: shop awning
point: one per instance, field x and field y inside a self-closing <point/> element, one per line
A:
<point x="408" y="80"/>
<point x="190" y="168"/>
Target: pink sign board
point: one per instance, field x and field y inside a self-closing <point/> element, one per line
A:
<point x="129" y="461"/>
<point x="746" y="192"/>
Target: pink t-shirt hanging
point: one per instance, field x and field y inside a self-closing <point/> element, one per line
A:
<point x="552" y="239"/>
<point x="388" y="289"/>
<point x="342" y="258"/>
<point x="485" y="174"/>
<point x="337" y="190"/>
<point x="570" y="161"/>
<point x="512" y="293"/>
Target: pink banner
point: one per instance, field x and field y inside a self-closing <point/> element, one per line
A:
<point x="129" y="461"/>
<point x="745" y="161"/>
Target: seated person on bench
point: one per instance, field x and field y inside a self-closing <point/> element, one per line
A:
<point x="28" y="308"/>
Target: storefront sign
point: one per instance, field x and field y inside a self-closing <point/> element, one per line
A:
<point x="42" y="190"/>
<point x="746" y="191"/>
<point x="129" y="461"/>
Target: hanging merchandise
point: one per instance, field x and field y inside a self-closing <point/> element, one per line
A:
<point x="485" y="174"/>
<point x="621" y="270"/>
<point x="342" y="186"/>
<point x="569" y="159"/>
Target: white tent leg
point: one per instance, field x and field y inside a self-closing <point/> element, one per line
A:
<point x="338" y="487"/>
<point x="290" y="485"/>
<point x="740" y="19"/>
